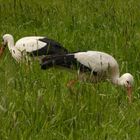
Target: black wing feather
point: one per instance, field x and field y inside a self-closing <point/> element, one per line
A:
<point x="51" y="48"/>
<point x="65" y="60"/>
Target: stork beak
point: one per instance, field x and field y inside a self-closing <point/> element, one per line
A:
<point x="2" y="48"/>
<point x="129" y="93"/>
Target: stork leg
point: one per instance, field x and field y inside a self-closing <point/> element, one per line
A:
<point x="71" y="83"/>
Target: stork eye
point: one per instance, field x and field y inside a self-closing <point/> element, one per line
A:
<point x="128" y="82"/>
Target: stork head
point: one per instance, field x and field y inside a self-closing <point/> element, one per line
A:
<point x="6" y="38"/>
<point x="127" y="80"/>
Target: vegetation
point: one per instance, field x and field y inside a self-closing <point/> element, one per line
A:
<point x="37" y="105"/>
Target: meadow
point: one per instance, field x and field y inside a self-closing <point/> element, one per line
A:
<point x="37" y="105"/>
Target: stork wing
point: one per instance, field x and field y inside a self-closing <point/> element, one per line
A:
<point x="38" y="46"/>
<point x="89" y="60"/>
<point x="99" y="62"/>
<point x="30" y="44"/>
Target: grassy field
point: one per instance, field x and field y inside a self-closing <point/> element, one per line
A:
<point x="37" y="105"/>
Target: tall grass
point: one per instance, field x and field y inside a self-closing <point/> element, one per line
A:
<point x="36" y="104"/>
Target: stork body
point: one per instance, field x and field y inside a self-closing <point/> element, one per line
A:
<point x="101" y="66"/>
<point x="33" y="46"/>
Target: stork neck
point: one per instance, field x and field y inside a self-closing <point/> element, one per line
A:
<point x="10" y="43"/>
<point x="117" y="80"/>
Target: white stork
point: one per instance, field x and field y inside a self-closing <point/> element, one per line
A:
<point x="32" y="45"/>
<point x="100" y="65"/>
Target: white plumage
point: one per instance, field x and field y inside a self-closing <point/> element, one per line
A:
<point x="29" y="44"/>
<point x="97" y="61"/>
<point x="101" y="65"/>
<point x="33" y="45"/>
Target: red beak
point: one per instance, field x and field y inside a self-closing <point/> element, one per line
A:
<point x="129" y="93"/>
<point x="2" y="48"/>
